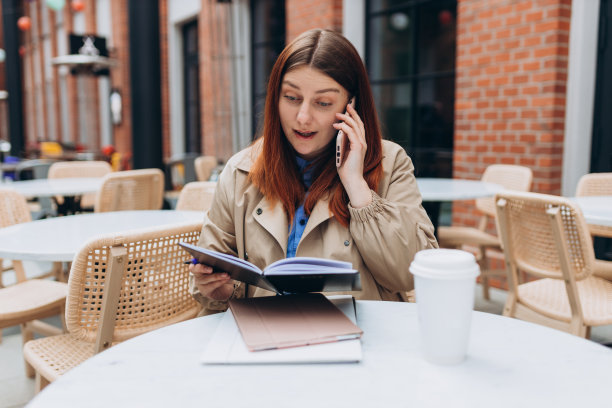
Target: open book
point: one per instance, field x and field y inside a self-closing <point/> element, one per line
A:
<point x="290" y="275"/>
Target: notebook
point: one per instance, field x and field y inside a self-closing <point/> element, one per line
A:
<point x="228" y="347"/>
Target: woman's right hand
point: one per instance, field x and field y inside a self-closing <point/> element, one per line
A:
<point x="216" y="286"/>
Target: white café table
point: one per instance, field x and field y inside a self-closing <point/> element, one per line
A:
<point x="58" y="239"/>
<point x="510" y="363"/>
<point x="444" y="189"/>
<point x="69" y="186"/>
<point x="597" y="210"/>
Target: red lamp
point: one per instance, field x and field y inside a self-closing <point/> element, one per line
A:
<point x="24" y="23"/>
<point x="77" y="5"/>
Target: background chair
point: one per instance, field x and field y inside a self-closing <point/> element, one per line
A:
<point x="26" y="301"/>
<point x="204" y="165"/>
<point x="598" y="184"/>
<point x="546" y="237"/>
<point x="511" y="177"/>
<point x="196" y="196"/>
<point x="131" y="190"/>
<point x="80" y="169"/>
<point x="120" y="286"/>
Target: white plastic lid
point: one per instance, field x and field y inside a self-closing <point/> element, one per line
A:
<point x="445" y="264"/>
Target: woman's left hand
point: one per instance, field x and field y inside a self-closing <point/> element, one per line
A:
<point x="351" y="170"/>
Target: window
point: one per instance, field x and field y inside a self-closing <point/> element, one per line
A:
<point x="268" y="40"/>
<point x="410" y="55"/>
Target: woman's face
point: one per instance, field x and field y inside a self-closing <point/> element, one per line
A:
<point x="309" y="101"/>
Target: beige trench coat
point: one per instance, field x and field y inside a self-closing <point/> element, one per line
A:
<point x="380" y="242"/>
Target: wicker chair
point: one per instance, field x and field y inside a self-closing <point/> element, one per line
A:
<point x="120" y="286"/>
<point x="204" y="165"/>
<point x="487" y="246"/>
<point x="26" y="301"/>
<point x="546" y="237"/>
<point x="131" y="190"/>
<point x="196" y="196"/>
<point x="598" y="184"/>
<point x="80" y="169"/>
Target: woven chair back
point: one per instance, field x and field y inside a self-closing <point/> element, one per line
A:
<point x="529" y="238"/>
<point x="595" y="184"/>
<point x="154" y="287"/>
<point x="79" y="169"/>
<point x="131" y="190"/>
<point x="13" y="208"/>
<point x="511" y="177"/>
<point x="204" y="165"/>
<point x="196" y="196"/>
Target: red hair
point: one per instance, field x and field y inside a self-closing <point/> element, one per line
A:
<point x="275" y="171"/>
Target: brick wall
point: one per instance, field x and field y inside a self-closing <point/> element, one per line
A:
<point x="120" y="79"/>
<point x="303" y="15"/>
<point x="510" y="90"/>
<point x="165" y="91"/>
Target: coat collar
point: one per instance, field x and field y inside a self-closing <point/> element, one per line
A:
<point x="272" y="217"/>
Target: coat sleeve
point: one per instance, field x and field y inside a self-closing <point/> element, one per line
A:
<point x="218" y="233"/>
<point x="393" y="228"/>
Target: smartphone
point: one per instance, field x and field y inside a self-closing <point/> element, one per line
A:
<point x="342" y="140"/>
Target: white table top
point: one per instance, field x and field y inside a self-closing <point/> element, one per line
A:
<point x="55" y="187"/>
<point x="510" y="363"/>
<point x="597" y="210"/>
<point x="441" y="189"/>
<point x="59" y="238"/>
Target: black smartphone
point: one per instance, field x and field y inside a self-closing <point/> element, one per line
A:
<point x="342" y="140"/>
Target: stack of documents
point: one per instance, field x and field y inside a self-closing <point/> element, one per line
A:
<point x="329" y="337"/>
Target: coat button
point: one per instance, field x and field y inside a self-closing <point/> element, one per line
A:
<point x="259" y="211"/>
<point x="346" y="243"/>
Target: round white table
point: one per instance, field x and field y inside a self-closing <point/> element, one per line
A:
<point x="510" y="363"/>
<point x="441" y="189"/>
<point x="70" y="186"/>
<point x="58" y="239"/>
<point x="597" y="210"/>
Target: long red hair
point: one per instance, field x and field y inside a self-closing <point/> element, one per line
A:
<point x="275" y="171"/>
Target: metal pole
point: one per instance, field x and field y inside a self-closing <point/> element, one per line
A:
<point x="10" y="14"/>
<point x="145" y="75"/>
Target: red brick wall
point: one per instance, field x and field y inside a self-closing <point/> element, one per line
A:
<point x="510" y="90"/>
<point x="165" y="91"/>
<point x="120" y="79"/>
<point x="303" y="15"/>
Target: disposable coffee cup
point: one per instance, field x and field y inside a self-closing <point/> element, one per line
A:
<point x="445" y="280"/>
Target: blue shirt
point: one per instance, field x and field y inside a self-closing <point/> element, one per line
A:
<point x="300" y="219"/>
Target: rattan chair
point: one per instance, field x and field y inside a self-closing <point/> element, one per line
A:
<point x="120" y="286"/>
<point x="80" y="169"/>
<point x="26" y="301"/>
<point x="598" y="184"/>
<point x="204" y="165"/>
<point x="546" y="237"/>
<point x="488" y="246"/>
<point x="196" y="196"/>
<point x="131" y="190"/>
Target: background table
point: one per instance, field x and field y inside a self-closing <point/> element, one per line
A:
<point x="433" y="189"/>
<point x="597" y="210"/>
<point x="58" y="239"/>
<point x="436" y="190"/>
<point x="510" y="364"/>
<point x="69" y="186"/>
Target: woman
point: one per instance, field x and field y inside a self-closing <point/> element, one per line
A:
<point x="285" y="196"/>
